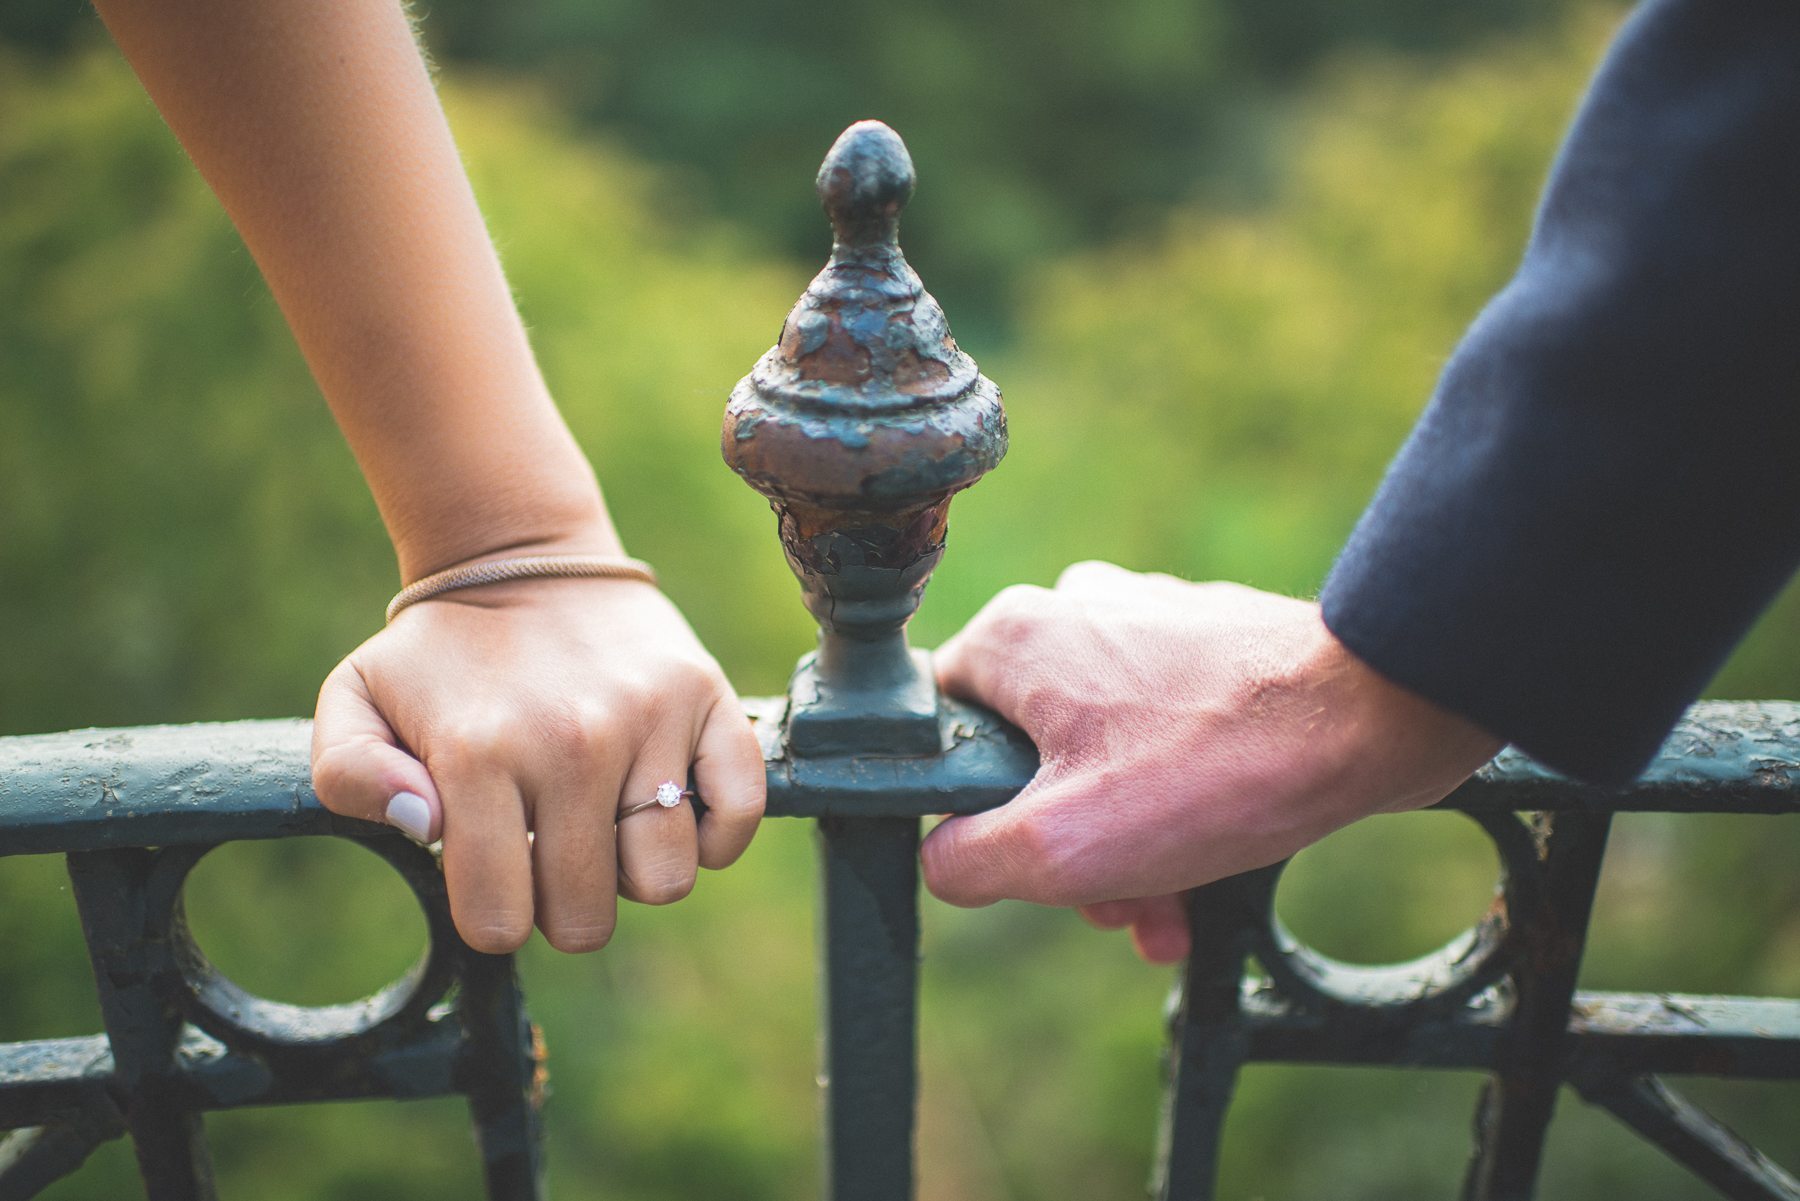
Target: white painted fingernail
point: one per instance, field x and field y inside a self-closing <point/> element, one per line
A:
<point x="410" y="813"/>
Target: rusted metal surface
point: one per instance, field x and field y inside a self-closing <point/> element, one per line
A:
<point x="1513" y="1114"/>
<point x="865" y="415"/>
<point x="869" y="948"/>
<point x="162" y="785"/>
<point x="1208" y="1041"/>
<point x="1754" y="1038"/>
<point x="213" y="782"/>
<point x="98" y="791"/>
<point x="1692" y="1137"/>
<point x="53" y="1079"/>
<point x="980" y="762"/>
<point x="34" y="1158"/>
<point x="859" y="426"/>
<point x="89" y="790"/>
<point x="143" y="1022"/>
<point x="1500" y="997"/>
<point x="1723" y="757"/>
<point x="182" y="1039"/>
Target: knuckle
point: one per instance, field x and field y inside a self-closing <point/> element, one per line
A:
<point x="665" y="888"/>
<point x="1051" y="705"/>
<point x="471" y="742"/>
<point x="334" y="776"/>
<point x="496" y="933"/>
<point x="347" y="679"/>
<point x="689" y="680"/>
<point x="578" y="935"/>
<point x="1034" y="700"/>
<point x="730" y="728"/>
<point x="1048" y="864"/>
<point x="638" y="703"/>
<point x="632" y="695"/>
<point x="742" y="804"/>
<point x="1018" y="602"/>
<point x="1027" y="844"/>
<point x="582" y="731"/>
<point x="1013" y="618"/>
<point x="1085" y="572"/>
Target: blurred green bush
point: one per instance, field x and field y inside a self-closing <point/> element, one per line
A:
<point x="183" y="537"/>
<point x="1091" y="116"/>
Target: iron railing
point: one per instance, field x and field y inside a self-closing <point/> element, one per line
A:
<point x="859" y="426"/>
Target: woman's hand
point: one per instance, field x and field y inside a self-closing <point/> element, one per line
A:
<point x="1187" y="732"/>
<point x="523" y="717"/>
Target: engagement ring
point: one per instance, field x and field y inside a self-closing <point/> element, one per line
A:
<point x="668" y="795"/>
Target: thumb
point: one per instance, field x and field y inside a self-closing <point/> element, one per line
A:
<point x="1009" y="853"/>
<point x="965" y="860"/>
<point x="1000" y="656"/>
<point x="969" y="668"/>
<point x="358" y="767"/>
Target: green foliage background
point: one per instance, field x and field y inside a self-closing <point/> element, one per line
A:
<point x="1214" y="254"/>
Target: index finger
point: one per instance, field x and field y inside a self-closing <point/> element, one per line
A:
<point x="729" y="775"/>
<point x="992" y="660"/>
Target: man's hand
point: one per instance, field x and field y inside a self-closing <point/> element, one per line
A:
<point x="1188" y="732"/>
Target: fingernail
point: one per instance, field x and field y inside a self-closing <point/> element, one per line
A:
<point x="409" y="813"/>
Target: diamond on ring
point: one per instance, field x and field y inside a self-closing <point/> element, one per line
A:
<point x="668" y="795"/>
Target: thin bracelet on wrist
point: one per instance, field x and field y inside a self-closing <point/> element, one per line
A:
<point x="495" y="571"/>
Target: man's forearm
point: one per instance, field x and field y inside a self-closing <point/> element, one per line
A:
<point x="320" y="132"/>
<point x="1601" y="497"/>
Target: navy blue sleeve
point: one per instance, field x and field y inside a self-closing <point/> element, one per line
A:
<point x="1604" y="492"/>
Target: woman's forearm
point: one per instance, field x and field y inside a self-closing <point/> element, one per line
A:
<point x="318" y="128"/>
<point x="521" y="723"/>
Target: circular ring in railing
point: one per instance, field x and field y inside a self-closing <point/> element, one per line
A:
<point x="1446" y="979"/>
<point x="240" y="1019"/>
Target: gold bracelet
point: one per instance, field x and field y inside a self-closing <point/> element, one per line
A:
<point x="494" y="571"/>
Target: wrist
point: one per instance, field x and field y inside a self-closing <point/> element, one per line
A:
<point x="1386" y="747"/>
<point x="570" y="528"/>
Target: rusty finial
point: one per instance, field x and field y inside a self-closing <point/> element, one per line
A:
<point x="864" y="182"/>
<point x="859" y="426"/>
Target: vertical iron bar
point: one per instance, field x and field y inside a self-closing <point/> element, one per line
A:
<point x="1207" y="1042"/>
<point x="502" y="1072"/>
<point x="870" y="934"/>
<point x="134" y="974"/>
<point x="1513" y="1115"/>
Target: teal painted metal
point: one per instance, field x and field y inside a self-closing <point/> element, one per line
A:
<point x="1501" y="997"/>
<point x="183" y="789"/>
<point x="216" y="782"/>
<point x="134" y="811"/>
<point x="869" y="958"/>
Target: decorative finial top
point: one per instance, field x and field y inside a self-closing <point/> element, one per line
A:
<point x="864" y="182"/>
<point x="859" y="425"/>
<point x="865" y="404"/>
